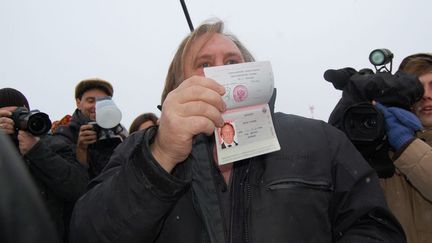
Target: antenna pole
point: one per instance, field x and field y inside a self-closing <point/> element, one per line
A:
<point x="186" y="13"/>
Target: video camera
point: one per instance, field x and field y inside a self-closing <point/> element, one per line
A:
<point x="34" y="121"/>
<point x="355" y="114"/>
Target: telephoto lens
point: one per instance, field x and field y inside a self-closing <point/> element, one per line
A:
<point x="34" y="122"/>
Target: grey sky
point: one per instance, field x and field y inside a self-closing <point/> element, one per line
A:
<point x="47" y="46"/>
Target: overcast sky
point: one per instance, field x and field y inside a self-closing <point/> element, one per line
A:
<point x="47" y="46"/>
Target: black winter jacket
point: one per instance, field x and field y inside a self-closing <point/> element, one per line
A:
<point x="98" y="154"/>
<point x="60" y="179"/>
<point x="23" y="215"/>
<point x="317" y="188"/>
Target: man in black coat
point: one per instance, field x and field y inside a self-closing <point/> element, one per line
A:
<point x="81" y="132"/>
<point x="59" y="178"/>
<point x="164" y="184"/>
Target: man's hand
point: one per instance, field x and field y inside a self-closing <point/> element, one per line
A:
<point x="194" y="107"/>
<point x="6" y="123"/>
<point x="86" y="136"/>
<point x="26" y="141"/>
<point x="401" y="125"/>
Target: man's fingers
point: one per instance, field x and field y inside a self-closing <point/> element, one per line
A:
<point x="200" y="124"/>
<point x="200" y="108"/>
<point x="203" y="82"/>
<point x="5" y="113"/>
<point x="86" y="127"/>
<point x="87" y="137"/>
<point x="87" y="132"/>
<point x="199" y="93"/>
<point x="7" y="126"/>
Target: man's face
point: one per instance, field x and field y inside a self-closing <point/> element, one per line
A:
<point x="209" y="52"/>
<point x="87" y="103"/>
<point x="423" y="108"/>
<point x="227" y="133"/>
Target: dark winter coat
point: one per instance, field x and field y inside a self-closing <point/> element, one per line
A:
<point x="98" y="154"/>
<point x="317" y="188"/>
<point x="60" y="179"/>
<point x="23" y="216"/>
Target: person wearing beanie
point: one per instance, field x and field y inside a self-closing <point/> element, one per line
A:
<point x="409" y="190"/>
<point x="59" y="177"/>
<point x="81" y="131"/>
<point x="12" y="97"/>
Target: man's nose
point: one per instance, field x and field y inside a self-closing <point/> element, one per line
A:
<point x="427" y="93"/>
<point x="219" y="62"/>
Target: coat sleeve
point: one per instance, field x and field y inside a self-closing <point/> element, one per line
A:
<point x="359" y="211"/>
<point x="415" y="163"/>
<point x="129" y="200"/>
<point x="53" y="162"/>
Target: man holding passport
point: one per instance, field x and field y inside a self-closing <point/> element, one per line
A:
<point x="170" y="188"/>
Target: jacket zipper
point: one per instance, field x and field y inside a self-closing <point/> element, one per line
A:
<point x="292" y="183"/>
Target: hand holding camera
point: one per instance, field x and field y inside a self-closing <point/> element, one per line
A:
<point x="26" y="126"/>
<point x="87" y="135"/>
<point x="6" y="123"/>
<point x="26" y="141"/>
<point x="401" y="125"/>
<point x="35" y="122"/>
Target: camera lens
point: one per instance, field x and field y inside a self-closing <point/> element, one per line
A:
<point x="38" y="123"/>
<point x="363" y="123"/>
<point x="369" y="122"/>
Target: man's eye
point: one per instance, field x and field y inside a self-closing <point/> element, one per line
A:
<point x="231" y="62"/>
<point x="204" y="65"/>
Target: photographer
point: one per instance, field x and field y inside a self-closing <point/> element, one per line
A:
<point x="409" y="191"/>
<point x="82" y="131"/>
<point x="60" y="179"/>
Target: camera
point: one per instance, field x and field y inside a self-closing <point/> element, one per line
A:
<point x="106" y="133"/>
<point x="108" y="117"/>
<point x="358" y="118"/>
<point x="34" y="121"/>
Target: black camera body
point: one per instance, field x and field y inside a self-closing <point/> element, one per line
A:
<point x="34" y="121"/>
<point x="106" y="133"/>
<point x="361" y="121"/>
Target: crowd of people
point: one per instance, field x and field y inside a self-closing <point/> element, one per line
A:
<point x="160" y="180"/>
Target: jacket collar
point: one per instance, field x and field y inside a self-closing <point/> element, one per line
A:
<point x="425" y="135"/>
<point x="79" y="118"/>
